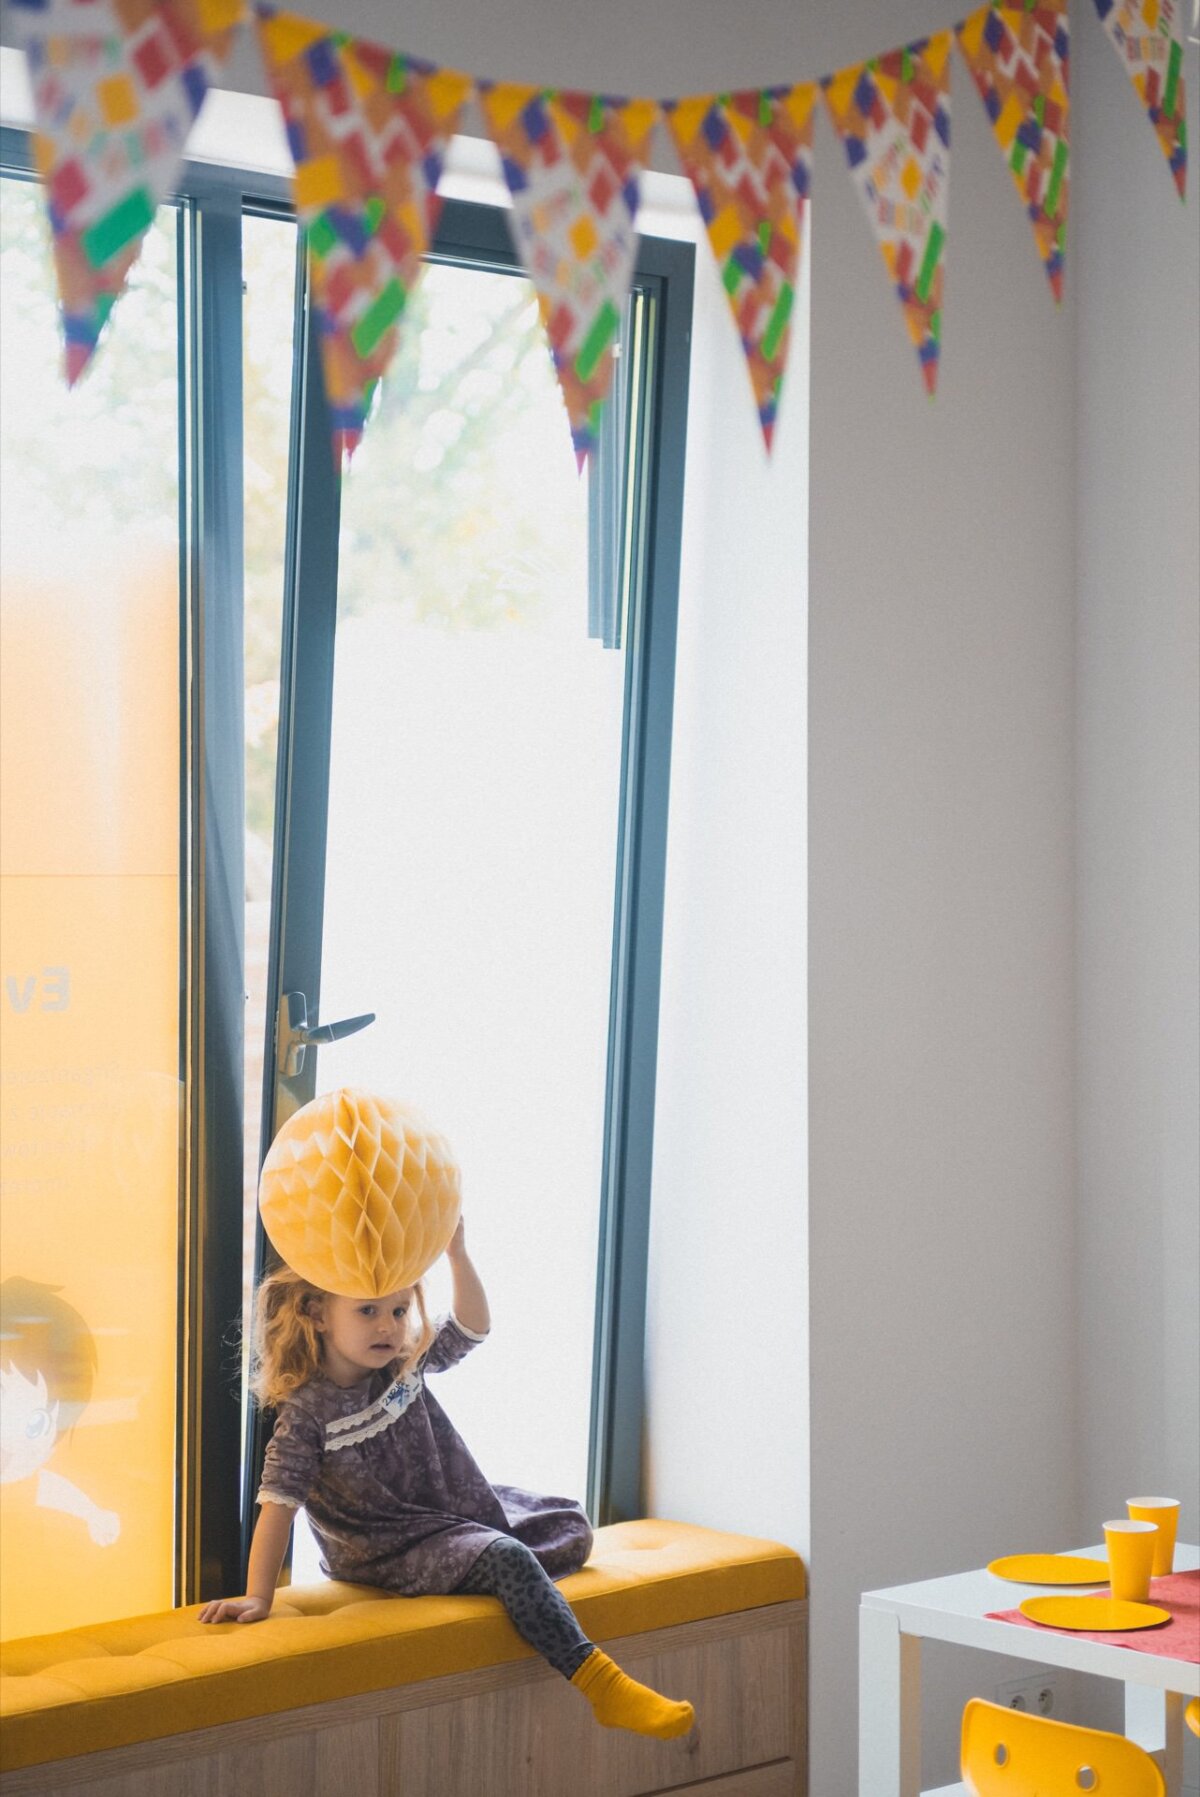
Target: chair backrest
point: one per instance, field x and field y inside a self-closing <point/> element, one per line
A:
<point x="1192" y="1715"/>
<point x="1006" y="1753"/>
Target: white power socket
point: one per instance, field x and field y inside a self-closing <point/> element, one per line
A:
<point x="1036" y="1695"/>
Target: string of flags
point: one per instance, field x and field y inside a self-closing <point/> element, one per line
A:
<point x="117" y="85"/>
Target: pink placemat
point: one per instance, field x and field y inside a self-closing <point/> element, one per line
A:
<point x="1178" y="1639"/>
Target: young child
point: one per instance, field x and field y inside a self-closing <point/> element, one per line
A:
<point x="392" y="1493"/>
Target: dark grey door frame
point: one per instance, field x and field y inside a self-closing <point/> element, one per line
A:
<point x="615" y="1464"/>
<point x="213" y="493"/>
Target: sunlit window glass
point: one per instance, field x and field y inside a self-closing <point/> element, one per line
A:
<point x="474" y="780"/>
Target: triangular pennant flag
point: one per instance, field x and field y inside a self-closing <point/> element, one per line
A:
<point x="116" y="87"/>
<point x="893" y="116"/>
<point x="1148" y="37"/>
<point x="1019" y="57"/>
<point x="572" y="162"/>
<point x="749" y="158"/>
<point x="368" y="132"/>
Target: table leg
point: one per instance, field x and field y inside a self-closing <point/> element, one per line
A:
<point x="889" y="1707"/>
<point x="1154" y="1719"/>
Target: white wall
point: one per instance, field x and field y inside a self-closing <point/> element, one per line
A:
<point x="940" y="929"/>
<point x="727" y="1335"/>
<point x="1138" y="740"/>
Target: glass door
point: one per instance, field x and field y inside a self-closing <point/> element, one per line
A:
<point x="462" y="809"/>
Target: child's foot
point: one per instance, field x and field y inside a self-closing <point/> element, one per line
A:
<point x="620" y="1702"/>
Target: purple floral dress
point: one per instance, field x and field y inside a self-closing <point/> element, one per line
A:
<point x="392" y="1492"/>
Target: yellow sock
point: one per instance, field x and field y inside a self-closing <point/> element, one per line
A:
<point x="620" y="1702"/>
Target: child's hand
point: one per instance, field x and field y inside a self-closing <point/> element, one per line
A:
<point x="470" y="1303"/>
<point x="236" y="1609"/>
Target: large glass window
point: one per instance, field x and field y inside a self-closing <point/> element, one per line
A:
<point x="90" y="1109"/>
<point x="441" y="785"/>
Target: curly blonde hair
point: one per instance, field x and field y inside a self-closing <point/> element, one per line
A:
<point x="286" y="1349"/>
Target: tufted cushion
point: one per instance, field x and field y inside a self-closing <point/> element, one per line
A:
<point x="150" y="1676"/>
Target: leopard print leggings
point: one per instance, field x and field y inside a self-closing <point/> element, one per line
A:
<point x="510" y="1571"/>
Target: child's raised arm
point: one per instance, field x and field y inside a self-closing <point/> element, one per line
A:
<point x="470" y="1299"/>
<point x="267" y="1549"/>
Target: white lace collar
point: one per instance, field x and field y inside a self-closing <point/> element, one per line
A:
<point x="348" y="1431"/>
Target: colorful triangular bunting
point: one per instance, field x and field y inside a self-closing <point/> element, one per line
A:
<point x="893" y="116"/>
<point x="368" y="132"/>
<point x="1148" y="37"/>
<point x="1019" y="58"/>
<point x="116" y="87"/>
<point x="572" y="162"/>
<point x="749" y="158"/>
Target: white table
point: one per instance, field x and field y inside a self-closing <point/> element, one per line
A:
<point x="892" y="1625"/>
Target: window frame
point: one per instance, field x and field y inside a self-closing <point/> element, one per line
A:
<point x="213" y="1516"/>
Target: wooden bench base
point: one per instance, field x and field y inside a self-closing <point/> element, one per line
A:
<point x="504" y="1731"/>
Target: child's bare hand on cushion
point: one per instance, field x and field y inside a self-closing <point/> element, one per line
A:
<point x="236" y="1609"/>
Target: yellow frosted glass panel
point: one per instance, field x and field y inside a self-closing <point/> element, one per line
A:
<point x="89" y="1110"/>
<point x="89" y="715"/>
<point x="90" y="1099"/>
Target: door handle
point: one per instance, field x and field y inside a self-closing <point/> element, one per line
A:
<point x="294" y="1035"/>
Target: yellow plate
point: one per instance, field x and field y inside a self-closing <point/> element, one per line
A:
<point x="1051" y="1569"/>
<point x="1103" y="1613"/>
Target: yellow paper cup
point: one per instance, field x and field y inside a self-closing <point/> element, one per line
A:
<point x="1130" y="1557"/>
<point x="1164" y="1514"/>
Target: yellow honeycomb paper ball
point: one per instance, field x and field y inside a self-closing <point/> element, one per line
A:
<point x="358" y="1194"/>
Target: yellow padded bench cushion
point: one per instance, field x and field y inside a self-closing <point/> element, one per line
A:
<point x="151" y="1676"/>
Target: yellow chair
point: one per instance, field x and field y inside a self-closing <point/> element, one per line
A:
<point x="1008" y="1754"/>
<point x="1192" y="1715"/>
